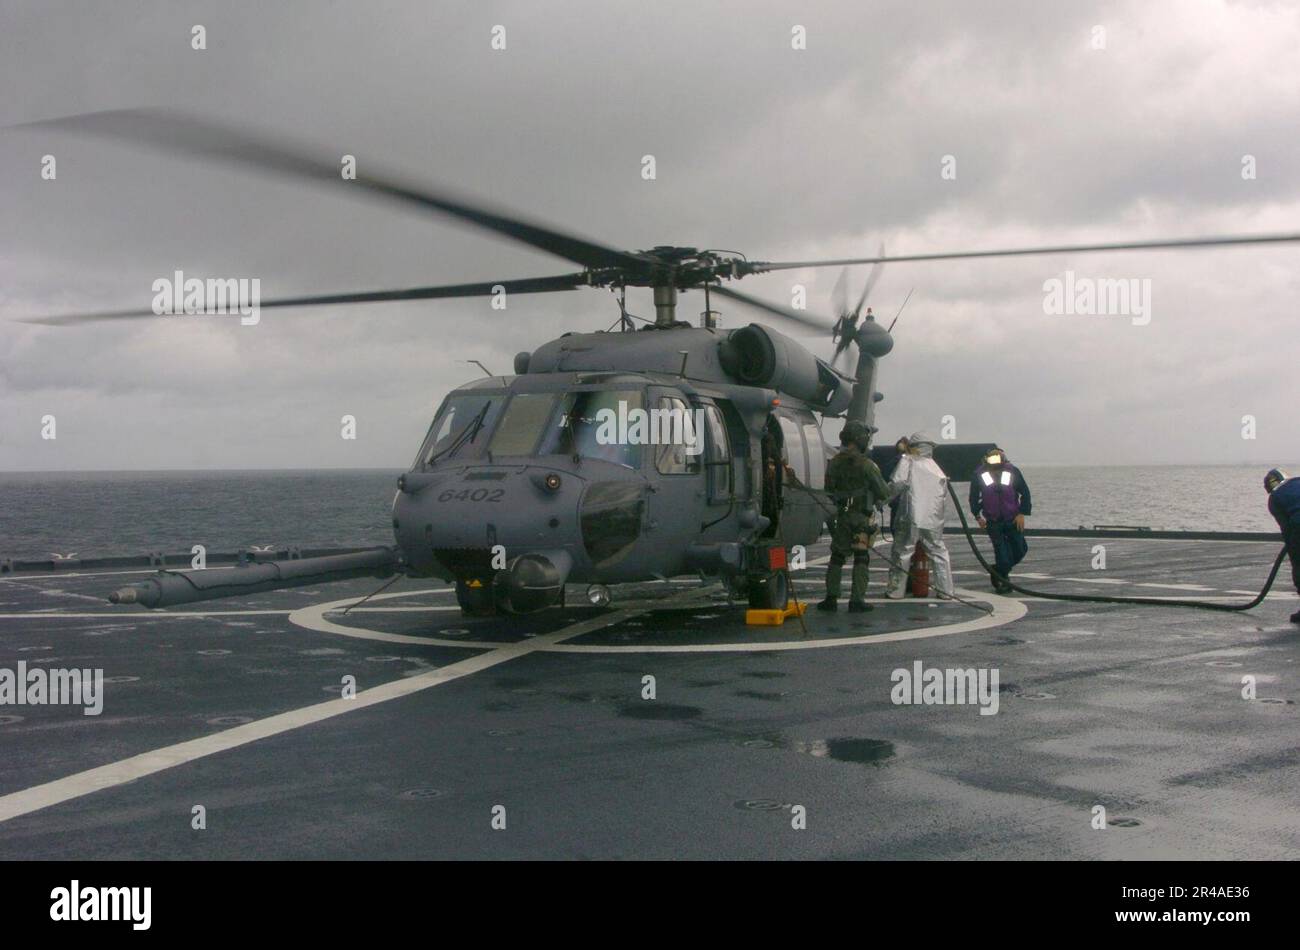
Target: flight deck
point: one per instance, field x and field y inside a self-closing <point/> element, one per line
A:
<point x="663" y="726"/>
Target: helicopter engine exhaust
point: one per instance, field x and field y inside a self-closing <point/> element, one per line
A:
<point x="757" y="355"/>
<point x="172" y="588"/>
<point x="532" y="581"/>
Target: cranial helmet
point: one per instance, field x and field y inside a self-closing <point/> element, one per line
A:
<point x="854" y="432"/>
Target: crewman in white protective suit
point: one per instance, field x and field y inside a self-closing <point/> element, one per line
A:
<point x="920" y="517"/>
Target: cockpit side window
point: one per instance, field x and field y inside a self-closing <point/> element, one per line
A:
<point x="594" y="424"/>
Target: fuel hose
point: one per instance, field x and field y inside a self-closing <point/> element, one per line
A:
<point x="1078" y="598"/>
<point x="1099" y="599"/>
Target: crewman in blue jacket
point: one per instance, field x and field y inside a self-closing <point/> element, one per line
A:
<point x="1284" y="506"/>
<point x="999" y="498"/>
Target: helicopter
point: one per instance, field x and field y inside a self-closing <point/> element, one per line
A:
<point x="513" y="493"/>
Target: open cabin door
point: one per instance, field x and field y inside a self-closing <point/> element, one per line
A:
<point x="802" y="478"/>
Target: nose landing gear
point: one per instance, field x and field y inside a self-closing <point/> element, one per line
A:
<point x="476" y="597"/>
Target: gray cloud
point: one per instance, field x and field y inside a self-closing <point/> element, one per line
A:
<point x="775" y="152"/>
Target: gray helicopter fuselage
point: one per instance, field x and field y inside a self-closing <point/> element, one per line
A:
<point x="517" y="483"/>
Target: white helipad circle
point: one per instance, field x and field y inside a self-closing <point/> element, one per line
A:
<point x="313" y="618"/>
<point x="1005" y="610"/>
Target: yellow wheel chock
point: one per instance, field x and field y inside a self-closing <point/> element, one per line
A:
<point x="774" y="618"/>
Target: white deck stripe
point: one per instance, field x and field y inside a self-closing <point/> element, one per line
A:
<point x="136" y="617"/>
<point x="149" y="763"/>
<point x="1005" y="610"/>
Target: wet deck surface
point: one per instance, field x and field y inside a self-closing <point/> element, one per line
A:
<point x="233" y="705"/>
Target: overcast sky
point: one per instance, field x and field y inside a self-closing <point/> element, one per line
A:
<point x="776" y="152"/>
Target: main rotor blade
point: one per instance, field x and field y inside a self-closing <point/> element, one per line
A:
<point x="528" y="285"/>
<point x="872" y="278"/>
<point x="760" y="267"/>
<point x="176" y="132"/>
<point x="803" y="319"/>
<point x="840" y="294"/>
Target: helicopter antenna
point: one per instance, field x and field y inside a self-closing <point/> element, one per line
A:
<point x="624" y="321"/>
<point x="485" y="370"/>
<point x="900" y="310"/>
<point x="630" y="316"/>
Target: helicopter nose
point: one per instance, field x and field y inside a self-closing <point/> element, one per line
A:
<point x="533" y="581"/>
<point x="472" y="522"/>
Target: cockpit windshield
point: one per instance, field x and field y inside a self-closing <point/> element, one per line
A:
<point x="591" y="424"/>
<point x="457" y="426"/>
<point x="522" y="423"/>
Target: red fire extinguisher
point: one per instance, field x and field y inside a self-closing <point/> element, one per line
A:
<point x="919" y="573"/>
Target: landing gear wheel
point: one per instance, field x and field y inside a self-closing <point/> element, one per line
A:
<point x="768" y="592"/>
<point x="476" y="601"/>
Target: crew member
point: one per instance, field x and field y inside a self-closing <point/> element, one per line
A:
<point x="887" y="472"/>
<point x="1284" y="506"/>
<point x="999" y="498"/>
<point x="855" y="485"/>
<point x="922" y="485"/>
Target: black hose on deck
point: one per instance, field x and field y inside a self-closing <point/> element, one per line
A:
<point x="1098" y="599"/>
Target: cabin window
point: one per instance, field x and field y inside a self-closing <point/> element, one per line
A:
<point x="676" y="441"/>
<point x="717" y="455"/>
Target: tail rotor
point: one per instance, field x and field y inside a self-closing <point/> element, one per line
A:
<point x="846" y="318"/>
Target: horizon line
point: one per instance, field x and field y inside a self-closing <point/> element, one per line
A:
<point x="403" y="468"/>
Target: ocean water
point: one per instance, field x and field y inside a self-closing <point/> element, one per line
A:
<point x="102" y="514"/>
<point x="1162" y="497"/>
